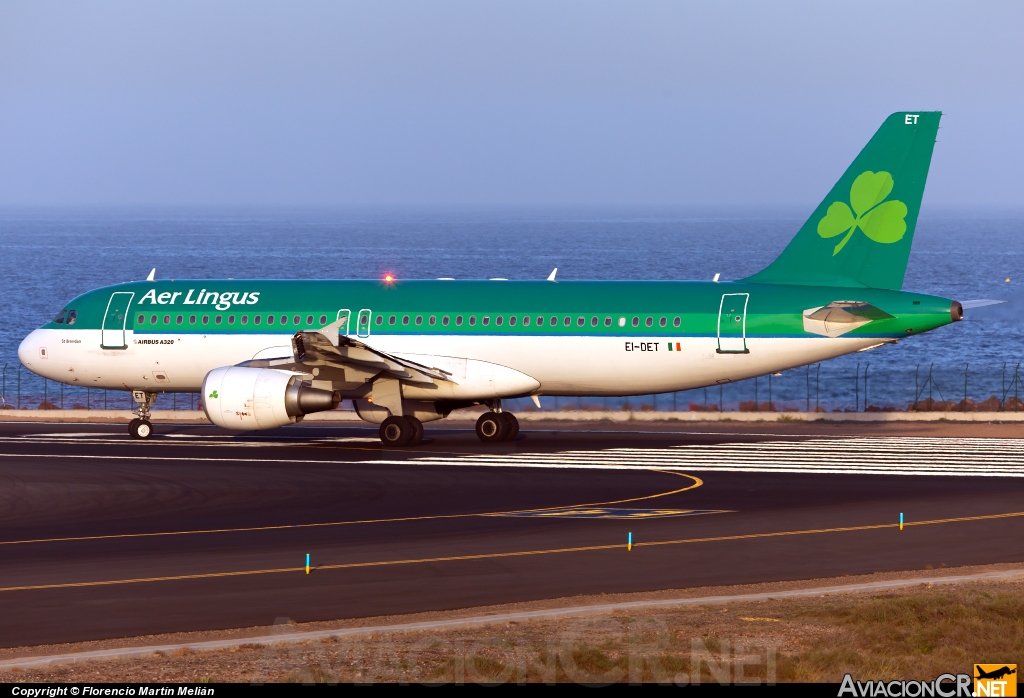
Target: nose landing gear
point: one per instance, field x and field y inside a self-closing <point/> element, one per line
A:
<point x="140" y="427"/>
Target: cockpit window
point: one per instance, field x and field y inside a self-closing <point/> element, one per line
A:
<point x="60" y="317"/>
<point x="72" y="316"/>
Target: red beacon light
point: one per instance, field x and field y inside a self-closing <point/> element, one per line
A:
<point x="388" y="278"/>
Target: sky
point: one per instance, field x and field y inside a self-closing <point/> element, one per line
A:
<point x="521" y="103"/>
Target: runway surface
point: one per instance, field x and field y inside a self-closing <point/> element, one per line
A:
<point x="197" y="529"/>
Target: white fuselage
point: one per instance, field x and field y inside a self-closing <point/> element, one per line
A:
<point x="560" y="365"/>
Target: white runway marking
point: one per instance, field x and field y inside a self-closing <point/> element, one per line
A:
<point x="855" y="455"/>
<point x="962" y="457"/>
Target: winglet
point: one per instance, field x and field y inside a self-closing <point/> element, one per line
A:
<point x="152" y="275"/>
<point x="551" y="276"/>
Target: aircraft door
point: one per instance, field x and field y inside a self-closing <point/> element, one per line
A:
<point x="115" y="320"/>
<point x="363" y="323"/>
<point x="344" y="317"/>
<point x="732" y="324"/>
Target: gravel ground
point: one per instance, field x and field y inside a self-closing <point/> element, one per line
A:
<point x="915" y="632"/>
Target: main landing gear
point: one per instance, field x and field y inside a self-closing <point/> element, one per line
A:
<point x="493" y="427"/>
<point x="140" y="427"/>
<point x="396" y="432"/>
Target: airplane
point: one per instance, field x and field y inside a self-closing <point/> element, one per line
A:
<point x="265" y="353"/>
<point x="995" y="674"/>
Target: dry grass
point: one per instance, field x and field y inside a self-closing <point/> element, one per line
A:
<point x="916" y="633"/>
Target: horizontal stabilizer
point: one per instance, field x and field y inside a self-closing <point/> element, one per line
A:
<point x="980" y="303"/>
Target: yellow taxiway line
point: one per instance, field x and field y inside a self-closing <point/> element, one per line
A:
<point x="521" y="553"/>
<point x="695" y="483"/>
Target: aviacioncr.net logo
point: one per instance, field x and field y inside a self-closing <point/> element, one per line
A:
<point x="882" y="221"/>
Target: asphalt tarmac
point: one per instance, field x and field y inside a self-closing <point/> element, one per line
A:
<point x="198" y="529"/>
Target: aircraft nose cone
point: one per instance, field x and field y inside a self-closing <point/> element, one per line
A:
<point x="28" y="350"/>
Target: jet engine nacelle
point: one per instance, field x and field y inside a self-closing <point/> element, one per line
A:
<point x="238" y="397"/>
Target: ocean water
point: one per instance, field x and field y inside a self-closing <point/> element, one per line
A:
<point x="48" y="257"/>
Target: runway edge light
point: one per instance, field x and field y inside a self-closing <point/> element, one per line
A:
<point x="307" y="563"/>
<point x="901" y="520"/>
<point x="629" y="542"/>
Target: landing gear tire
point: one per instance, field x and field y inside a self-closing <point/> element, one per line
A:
<point x="140" y="429"/>
<point x="417" y="431"/>
<point x="396" y="432"/>
<point x="491" y="427"/>
<point x="512" y="425"/>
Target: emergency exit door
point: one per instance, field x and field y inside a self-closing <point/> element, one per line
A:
<point x="363" y="323"/>
<point x="344" y="321"/>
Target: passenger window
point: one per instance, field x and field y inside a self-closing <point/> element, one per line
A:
<point x="540" y="320"/>
<point x="458" y="320"/>
<point x="526" y="320"/>
<point x="142" y="320"/>
<point x="391" y="320"/>
<point x="191" y="319"/>
<point x="284" y="319"/>
<point x="622" y="322"/>
<point x="472" y="319"/>
<point x="167" y="319"/>
<point x="323" y="320"/>
<point x="255" y="319"/>
<point x="432" y="320"/>
<point x="487" y="320"/>
<point x="419" y="319"/>
<point x="567" y="321"/>
<point x="380" y="320"/>
<point x="180" y="319"/>
<point x="297" y="320"/>
<point x="405" y="319"/>
<point x="512" y="320"/>
<point x="554" y="321"/>
<point x="649" y="322"/>
<point x="72" y="316"/>
<point x="581" y="321"/>
<point x="663" y="321"/>
<point x="636" y="322"/>
<point x="231" y="319"/>
<point x="444" y="321"/>
<point x="206" y="319"/>
<point x="270" y="319"/>
<point x="59" y="320"/>
<point x="152" y="320"/>
<point x="309" y="320"/>
<point x="675" y="323"/>
<point x="498" y="320"/>
<point x="608" y="321"/>
<point x="217" y="320"/>
<point x="593" y="321"/>
<point x="245" y="319"/>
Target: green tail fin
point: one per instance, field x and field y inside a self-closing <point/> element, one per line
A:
<point x="860" y="235"/>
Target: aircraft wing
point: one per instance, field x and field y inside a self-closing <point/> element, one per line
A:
<point x="316" y="347"/>
<point x="349" y="364"/>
